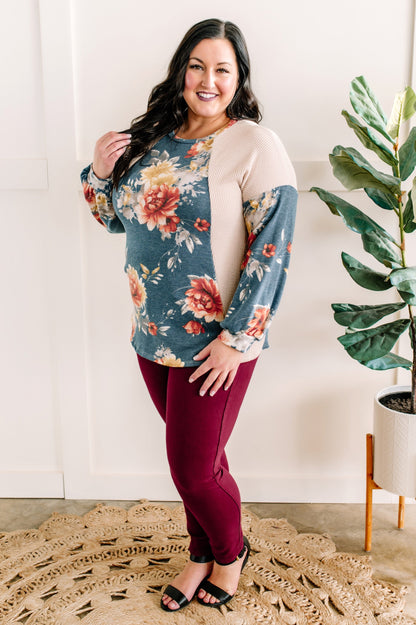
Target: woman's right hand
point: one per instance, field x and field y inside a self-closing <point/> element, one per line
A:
<point x="108" y="150"/>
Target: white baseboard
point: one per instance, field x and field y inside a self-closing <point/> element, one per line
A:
<point x="31" y="484"/>
<point x="308" y="489"/>
<point x="284" y="489"/>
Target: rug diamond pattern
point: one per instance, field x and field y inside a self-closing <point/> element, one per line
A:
<point x="110" y="566"/>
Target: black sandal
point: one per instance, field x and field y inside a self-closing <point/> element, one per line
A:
<point x="220" y="594"/>
<point x="178" y="596"/>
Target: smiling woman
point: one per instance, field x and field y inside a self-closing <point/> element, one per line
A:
<point x="211" y="81"/>
<point x="207" y="200"/>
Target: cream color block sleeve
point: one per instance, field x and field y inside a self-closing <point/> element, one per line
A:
<point x="253" y="204"/>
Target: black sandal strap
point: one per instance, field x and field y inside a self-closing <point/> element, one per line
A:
<point x="201" y="559"/>
<point x="176" y="595"/>
<point x="215" y="591"/>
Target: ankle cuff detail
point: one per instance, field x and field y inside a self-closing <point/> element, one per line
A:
<point x="240" y="555"/>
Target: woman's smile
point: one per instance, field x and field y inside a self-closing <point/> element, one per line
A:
<point x="206" y="97"/>
<point x="211" y="81"/>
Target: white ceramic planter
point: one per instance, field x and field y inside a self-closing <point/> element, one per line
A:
<point x="394" y="447"/>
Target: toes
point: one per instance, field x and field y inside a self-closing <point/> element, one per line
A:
<point x="210" y="598"/>
<point x="201" y="593"/>
<point x="172" y="605"/>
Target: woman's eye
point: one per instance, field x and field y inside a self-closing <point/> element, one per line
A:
<point x="195" y="66"/>
<point x="223" y="70"/>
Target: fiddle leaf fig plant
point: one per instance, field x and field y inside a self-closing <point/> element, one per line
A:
<point x="371" y="344"/>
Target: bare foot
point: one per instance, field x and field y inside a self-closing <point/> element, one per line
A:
<point x="225" y="577"/>
<point x="188" y="581"/>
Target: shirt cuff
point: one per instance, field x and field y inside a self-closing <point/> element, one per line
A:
<point x="239" y="340"/>
<point x="96" y="182"/>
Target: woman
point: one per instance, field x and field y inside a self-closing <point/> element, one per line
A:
<point x="207" y="199"/>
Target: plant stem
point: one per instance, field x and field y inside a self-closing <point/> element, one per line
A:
<point x="402" y="240"/>
<point x="402" y="250"/>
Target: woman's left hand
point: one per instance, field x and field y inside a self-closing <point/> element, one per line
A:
<point x="222" y="361"/>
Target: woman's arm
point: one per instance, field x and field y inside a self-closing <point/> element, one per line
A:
<point x="96" y="179"/>
<point x="221" y="362"/>
<point x="269" y="206"/>
<point x="107" y="151"/>
<point x="270" y="221"/>
<point x="259" y="290"/>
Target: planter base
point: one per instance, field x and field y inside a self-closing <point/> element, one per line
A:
<point x="394" y="435"/>
<point x="370" y="486"/>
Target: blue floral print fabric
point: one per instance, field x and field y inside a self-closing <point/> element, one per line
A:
<point x="163" y="205"/>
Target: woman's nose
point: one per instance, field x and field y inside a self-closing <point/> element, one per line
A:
<point x="207" y="79"/>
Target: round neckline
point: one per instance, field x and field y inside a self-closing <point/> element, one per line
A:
<point x="174" y="136"/>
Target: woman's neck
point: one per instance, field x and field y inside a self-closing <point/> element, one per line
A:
<point x="196" y="128"/>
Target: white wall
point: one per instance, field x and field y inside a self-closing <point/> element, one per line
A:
<point x="75" y="417"/>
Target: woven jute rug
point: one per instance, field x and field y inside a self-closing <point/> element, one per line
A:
<point x="109" y="567"/>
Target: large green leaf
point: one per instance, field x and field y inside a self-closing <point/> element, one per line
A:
<point x="376" y="244"/>
<point x="376" y="240"/>
<point x="409" y="107"/>
<point x="353" y="217"/>
<point x="403" y="108"/>
<point x="360" y="317"/>
<point x="355" y="172"/>
<point x="384" y="200"/>
<point x="389" y="361"/>
<point x="407" y="155"/>
<point x="409" y="221"/>
<point x="364" y="276"/>
<point x="370" y="140"/>
<point x="405" y="282"/>
<point x="367" y="106"/>
<point x="369" y="344"/>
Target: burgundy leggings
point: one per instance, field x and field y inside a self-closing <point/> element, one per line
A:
<point x="197" y="430"/>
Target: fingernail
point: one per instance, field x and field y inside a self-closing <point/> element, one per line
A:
<point x="202" y="393"/>
<point x="191" y="379"/>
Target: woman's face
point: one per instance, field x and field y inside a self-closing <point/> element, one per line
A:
<point x="211" y="79"/>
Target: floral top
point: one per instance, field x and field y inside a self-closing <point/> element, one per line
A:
<point x="209" y="224"/>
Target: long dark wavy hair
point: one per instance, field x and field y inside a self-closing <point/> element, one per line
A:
<point x="166" y="107"/>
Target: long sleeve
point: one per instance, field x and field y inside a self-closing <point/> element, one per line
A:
<point x="98" y="194"/>
<point x="269" y="218"/>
